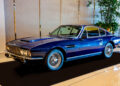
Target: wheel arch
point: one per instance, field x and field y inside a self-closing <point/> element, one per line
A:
<point x="112" y="44"/>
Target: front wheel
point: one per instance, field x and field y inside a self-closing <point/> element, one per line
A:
<point x="54" y="60"/>
<point x="108" y="51"/>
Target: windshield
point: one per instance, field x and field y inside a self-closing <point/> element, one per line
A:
<point x="66" y="31"/>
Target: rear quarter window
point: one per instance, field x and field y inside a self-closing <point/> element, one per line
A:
<point x="102" y="32"/>
<point x="92" y="31"/>
<point x="108" y="33"/>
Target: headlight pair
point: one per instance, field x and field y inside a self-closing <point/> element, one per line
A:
<point x="25" y="52"/>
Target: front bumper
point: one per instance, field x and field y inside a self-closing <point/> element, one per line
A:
<point x="21" y="58"/>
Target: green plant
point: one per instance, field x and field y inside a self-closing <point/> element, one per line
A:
<point x="112" y="26"/>
<point x="109" y="11"/>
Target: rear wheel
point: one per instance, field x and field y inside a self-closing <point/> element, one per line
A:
<point x="55" y="59"/>
<point x="108" y="51"/>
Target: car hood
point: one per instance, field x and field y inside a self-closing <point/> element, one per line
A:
<point x="31" y="42"/>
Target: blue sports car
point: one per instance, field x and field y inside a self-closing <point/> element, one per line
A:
<point x="66" y="43"/>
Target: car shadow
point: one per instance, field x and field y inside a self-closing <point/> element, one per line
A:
<point x="36" y="75"/>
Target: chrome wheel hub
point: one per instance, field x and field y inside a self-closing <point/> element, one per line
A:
<point x="55" y="60"/>
<point x="108" y="50"/>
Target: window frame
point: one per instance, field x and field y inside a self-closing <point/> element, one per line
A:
<point x="79" y="28"/>
<point x="93" y="36"/>
<point x="87" y="32"/>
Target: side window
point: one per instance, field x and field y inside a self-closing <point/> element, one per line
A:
<point x="102" y="32"/>
<point x="92" y="31"/>
<point x="74" y="32"/>
<point x="65" y="30"/>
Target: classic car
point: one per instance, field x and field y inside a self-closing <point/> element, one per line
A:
<point x="66" y="43"/>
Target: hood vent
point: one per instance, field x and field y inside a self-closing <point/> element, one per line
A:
<point x="31" y="40"/>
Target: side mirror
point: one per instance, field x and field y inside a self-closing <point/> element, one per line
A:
<point x="84" y="37"/>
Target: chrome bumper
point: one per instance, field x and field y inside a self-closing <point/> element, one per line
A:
<point x="21" y="58"/>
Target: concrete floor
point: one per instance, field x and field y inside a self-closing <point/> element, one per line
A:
<point x="94" y="71"/>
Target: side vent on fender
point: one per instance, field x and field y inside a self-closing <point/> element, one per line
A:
<point x="70" y="46"/>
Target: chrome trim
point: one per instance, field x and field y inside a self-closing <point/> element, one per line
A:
<point x="24" y="57"/>
<point x="83" y="56"/>
<point x="81" y="32"/>
<point x="83" y="28"/>
<point x="36" y="58"/>
<point x="109" y="35"/>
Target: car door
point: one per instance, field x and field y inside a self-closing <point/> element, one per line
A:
<point x="91" y="41"/>
<point x="89" y="44"/>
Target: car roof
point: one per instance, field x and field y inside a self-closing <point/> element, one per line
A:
<point x="85" y="26"/>
<point x="78" y="25"/>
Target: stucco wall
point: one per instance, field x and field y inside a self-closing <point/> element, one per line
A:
<point x="2" y="26"/>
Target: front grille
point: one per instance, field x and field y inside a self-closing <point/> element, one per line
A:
<point x="14" y="50"/>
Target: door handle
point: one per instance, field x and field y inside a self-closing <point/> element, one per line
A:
<point x="70" y="46"/>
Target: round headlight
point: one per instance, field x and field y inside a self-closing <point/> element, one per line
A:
<point x="25" y="52"/>
<point x="29" y="53"/>
<point x="21" y="52"/>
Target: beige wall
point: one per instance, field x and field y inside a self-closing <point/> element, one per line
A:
<point x="2" y="26"/>
<point x="27" y="18"/>
<point x="52" y="14"/>
<point x="69" y="12"/>
<point x="9" y="20"/>
<point x="86" y="13"/>
<point x="49" y="15"/>
<point x="56" y="12"/>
